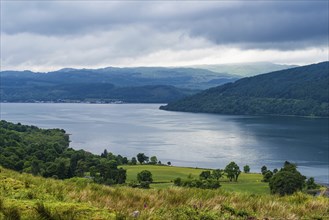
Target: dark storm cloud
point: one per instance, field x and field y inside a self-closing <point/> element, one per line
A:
<point x="255" y="24"/>
<point x="268" y="24"/>
<point x="251" y="24"/>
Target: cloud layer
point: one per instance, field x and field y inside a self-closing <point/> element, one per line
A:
<point x="55" y="34"/>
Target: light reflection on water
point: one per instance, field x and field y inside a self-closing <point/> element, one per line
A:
<point x="185" y="139"/>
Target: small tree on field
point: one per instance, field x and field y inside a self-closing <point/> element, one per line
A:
<point x="232" y="171"/>
<point x="153" y="160"/>
<point x="246" y="169"/>
<point x="145" y="176"/>
<point x="169" y="163"/>
<point x="133" y="161"/>
<point x="263" y="169"/>
<point x="141" y="157"/>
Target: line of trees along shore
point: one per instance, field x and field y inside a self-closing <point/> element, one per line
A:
<point x="46" y="152"/>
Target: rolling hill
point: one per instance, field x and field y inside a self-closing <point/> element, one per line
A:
<point x="143" y="84"/>
<point x="301" y="91"/>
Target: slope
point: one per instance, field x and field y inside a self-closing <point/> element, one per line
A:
<point x="23" y="196"/>
<point x="301" y="91"/>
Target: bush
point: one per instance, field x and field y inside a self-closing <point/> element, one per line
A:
<point x="133" y="184"/>
<point x="145" y="176"/>
<point x="202" y="184"/>
<point x="286" y="182"/>
<point x="267" y="176"/>
<point x="205" y="174"/>
<point x="178" y="181"/>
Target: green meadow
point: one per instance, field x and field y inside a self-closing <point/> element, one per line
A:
<point x="163" y="177"/>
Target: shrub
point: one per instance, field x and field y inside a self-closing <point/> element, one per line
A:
<point x="267" y="176"/>
<point x="178" y="181"/>
<point x="205" y="174"/>
<point x="286" y="182"/>
<point x="202" y="184"/>
<point x="144" y="176"/>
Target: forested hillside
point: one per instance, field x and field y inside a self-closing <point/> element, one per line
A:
<point x="92" y="92"/>
<point x="46" y="152"/>
<point x="301" y="91"/>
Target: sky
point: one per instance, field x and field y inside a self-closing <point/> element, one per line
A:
<point x="50" y="35"/>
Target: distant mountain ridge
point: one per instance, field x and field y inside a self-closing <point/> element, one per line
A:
<point x="301" y="91"/>
<point x="188" y="78"/>
<point x="128" y="84"/>
<point x="245" y="69"/>
<point x="111" y="84"/>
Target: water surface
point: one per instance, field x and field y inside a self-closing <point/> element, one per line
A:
<point x="185" y="139"/>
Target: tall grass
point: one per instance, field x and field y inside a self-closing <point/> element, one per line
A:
<point x="9" y="213"/>
<point x="79" y="199"/>
<point x="44" y="213"/>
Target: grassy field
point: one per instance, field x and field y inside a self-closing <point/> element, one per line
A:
<point x="164" y="175"/>
<point x="23" y="196"/>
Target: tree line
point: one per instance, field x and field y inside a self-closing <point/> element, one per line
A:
<point x="46" y="152"/>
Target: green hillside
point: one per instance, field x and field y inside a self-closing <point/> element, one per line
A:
<point x="23" y="196"/>
<point x="301" y="91"/>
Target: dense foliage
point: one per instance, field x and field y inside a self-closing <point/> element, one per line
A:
<point x="145" y="176"/>
<point x="46" y="152"/>
<point x="287" y="181"/>
<point x="232" y="171"/>
<point x="91" y="92"/>
<point x="198" y="183"/>
<point x="299" y="91"/>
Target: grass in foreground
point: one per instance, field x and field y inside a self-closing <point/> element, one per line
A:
<point x="28" y="197"/>
<point x="164" y="175"/>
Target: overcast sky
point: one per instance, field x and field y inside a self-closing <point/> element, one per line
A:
<point x="49" y="35"/>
